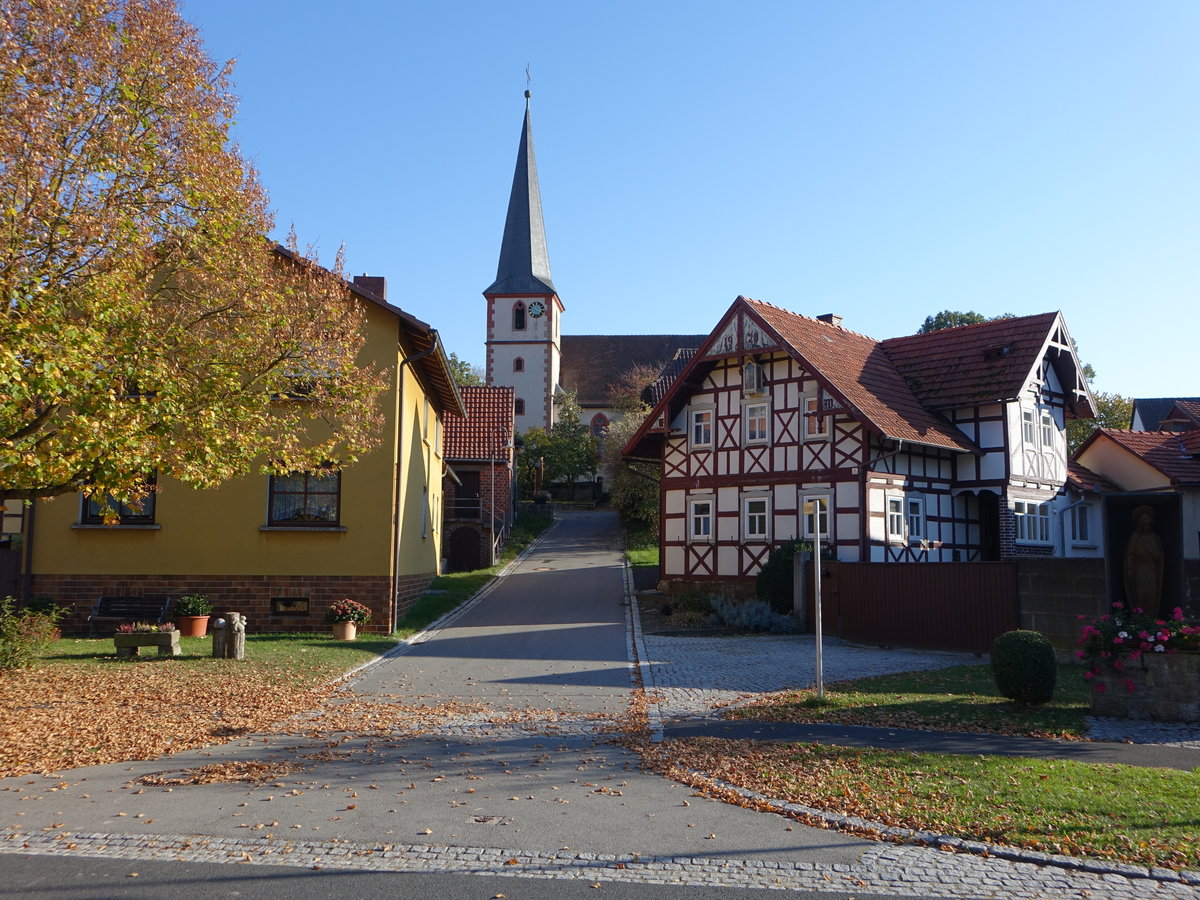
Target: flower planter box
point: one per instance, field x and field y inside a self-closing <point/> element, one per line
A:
<point x="1166" y="687"/>
<point x="344" y="631"/>
<point x="167" y="643"/>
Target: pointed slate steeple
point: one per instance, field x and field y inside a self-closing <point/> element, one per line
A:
<point x="524" y="261"/>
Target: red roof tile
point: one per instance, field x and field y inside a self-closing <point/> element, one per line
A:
<point x="1166" y="451"/>
<point x="857" y="367"/>
<point x="971" y="363"/>
<point x="1184" y="412"/>
<point x="1083" y="479"/>
<point x="487" y="428"/>
<point x="592" y="362"/>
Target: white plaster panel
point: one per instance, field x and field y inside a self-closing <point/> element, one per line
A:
<point x="675" y="529"/>
<point x="673" y="561"/>
<point x="727" y="499"/>
<point x="847" y="493"/>
<point x="675" y="502"/>
<point x="991" y="466"/>
<point x="727" y="561"/>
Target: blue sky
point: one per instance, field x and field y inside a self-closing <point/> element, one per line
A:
<point x="881" y="160"/>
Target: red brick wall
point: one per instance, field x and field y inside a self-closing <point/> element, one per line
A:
<point x="248" y="594"/>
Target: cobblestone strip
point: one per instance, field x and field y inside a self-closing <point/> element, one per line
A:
<point x="887" y="869"/>
<point x="636" y="651"/>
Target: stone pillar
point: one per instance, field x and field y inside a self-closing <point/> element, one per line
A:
<point x="229" y="637"/>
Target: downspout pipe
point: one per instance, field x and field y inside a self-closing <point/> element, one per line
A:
<point x="397" y="511"/>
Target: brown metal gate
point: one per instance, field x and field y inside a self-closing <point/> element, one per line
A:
<point x="947" y="606"/>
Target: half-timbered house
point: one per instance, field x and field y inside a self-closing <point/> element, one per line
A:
<point x="938" y="447"/>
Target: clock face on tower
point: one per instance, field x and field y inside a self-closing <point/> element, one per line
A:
<point x="537" y="309"/>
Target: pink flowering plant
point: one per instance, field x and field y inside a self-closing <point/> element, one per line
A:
<point x="348" y="610"/>
<point x="1112" y="643"/>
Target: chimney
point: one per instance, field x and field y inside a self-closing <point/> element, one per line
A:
<point x="831" y="318"/>
<point x="376" y="284"/>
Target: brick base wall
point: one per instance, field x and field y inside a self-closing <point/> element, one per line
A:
<point x="1053" y="593"/>
<point x="248" y="594"/>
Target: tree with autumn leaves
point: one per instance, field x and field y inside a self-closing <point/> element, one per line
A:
<point x="148" y="324"/>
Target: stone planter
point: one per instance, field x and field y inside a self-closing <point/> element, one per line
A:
<point x="167" y="643"/>
<point x="344" y="631"/>
<point x="1166" y="687"/>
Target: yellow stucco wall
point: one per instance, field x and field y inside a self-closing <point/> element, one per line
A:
<point x="219" y="531"/>
<point x="1104" y="457"/>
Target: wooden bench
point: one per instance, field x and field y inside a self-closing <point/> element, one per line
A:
<point x="112" y="611"/>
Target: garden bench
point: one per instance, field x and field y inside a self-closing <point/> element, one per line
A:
<point x="112" y="611"/>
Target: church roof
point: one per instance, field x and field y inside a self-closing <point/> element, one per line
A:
<point x="592" y="362"/>
<point x="524" y="266"/>
<point x="487" y="428"/>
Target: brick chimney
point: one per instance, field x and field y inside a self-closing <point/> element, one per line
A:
<point x="831" y="318"/>
<point x="376" y="284"/>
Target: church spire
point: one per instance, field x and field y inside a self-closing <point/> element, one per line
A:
<point x="524" y="261"/>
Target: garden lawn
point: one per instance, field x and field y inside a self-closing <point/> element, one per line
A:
<point x="82" y="705"/>
<point x="1143" y="816"/>
<point x="641" y="544"/>
<point x="962" y="698"/>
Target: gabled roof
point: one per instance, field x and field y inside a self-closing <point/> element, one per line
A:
<point x="987" y="362"/>
<point x="524" y="266"/>
<point x="666" y="377"/>
<point x="1152" y="410"/>
<point x="487" y="428"/>
<point x="1174" y="455"/>
<point x="591" y="362"/>
<point x="432" y="363"/>
<point x="852" y="368"/>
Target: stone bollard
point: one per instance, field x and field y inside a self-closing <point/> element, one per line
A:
<point x="229" y="637"/>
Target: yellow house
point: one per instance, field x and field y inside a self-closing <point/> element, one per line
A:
<point x="280" y="549"/>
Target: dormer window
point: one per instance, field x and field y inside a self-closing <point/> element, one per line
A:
<point x="519" y="316"/>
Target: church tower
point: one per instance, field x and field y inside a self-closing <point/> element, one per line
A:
<point x="524" y="312"/>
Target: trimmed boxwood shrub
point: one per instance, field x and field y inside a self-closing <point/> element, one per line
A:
<point x="1024" y="667"/>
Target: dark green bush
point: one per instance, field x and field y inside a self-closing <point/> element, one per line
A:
<point x="25" y="636"/>
<point x="773" y="584"/>
<point x="1024" y="667"/>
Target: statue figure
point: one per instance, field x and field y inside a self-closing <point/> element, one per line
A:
<point x="1144" y="563"/>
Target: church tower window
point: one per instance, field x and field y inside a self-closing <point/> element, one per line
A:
<point x="519" y="407"/>
<point x="519" y="364"/>
<point x="518" y="316"/>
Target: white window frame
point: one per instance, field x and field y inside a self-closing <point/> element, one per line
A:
<point x="1049" y="427"/>
<point x="1032" y="522"/>
<point x="896" y="522"/>
<point x="1081" y="536"/>
<point x="750" y="518"/>
<point x="694" y="534"/>
<point x="754" y="378"/>
<point x="811" y="403"/>
<point x="700" y="418"/>
<point x="806" y="518"/>
<point x="914" y="519"/>
<point x="1028" y="433"/>
<point x="752" y="437"/>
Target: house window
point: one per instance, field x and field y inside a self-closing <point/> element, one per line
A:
<point x="134" y="513"/>
<point x="700" y="520"/>
<point x="814" y="426"/>
<point x="1027" y="427"/>
<point x="1032" y="522"/>
<point x="753" y="378"/>
<point x="518" y="364"/>
<point x="1081" y="524"/>
<point x="518" y="316"/>
<point x="812" y="505"/>
<point x="518" y="407"/>
<point x="756" y="512"/>
<point x="701" y="429"/>
<point x="1048" y="430"/>
<point x="757" y="419"/>
<point x="305" y="499"/>
<point x="895" y="518"/>
<point x="914" y="516"/>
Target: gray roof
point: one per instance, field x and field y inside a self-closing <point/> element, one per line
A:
<point x="524" y="266"/>
<point x="1152" y="410"/>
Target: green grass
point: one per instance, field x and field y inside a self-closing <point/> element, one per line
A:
<point x="641" y="544"/>
<point x="458" y="587"/>
<point x="963" y="698"/>
<point x="1142" y="815"/>
<point x="307" y="658"/>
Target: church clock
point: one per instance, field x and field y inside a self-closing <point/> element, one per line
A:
<point x="537" y="309"/>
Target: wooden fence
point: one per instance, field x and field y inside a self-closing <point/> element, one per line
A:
<point x="951" y="606"/>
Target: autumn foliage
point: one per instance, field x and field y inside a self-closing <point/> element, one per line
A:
<point x="147" y="322"/>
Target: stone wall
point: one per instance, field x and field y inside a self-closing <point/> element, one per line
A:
<point x="1053" y="593"/>
<point x="1165" y="687"/>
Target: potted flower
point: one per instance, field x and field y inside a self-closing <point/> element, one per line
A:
<point x="191" y="613"/>
<point x="345" y="616"/>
